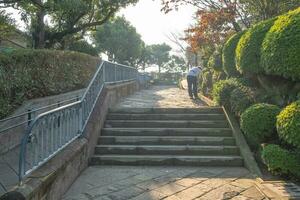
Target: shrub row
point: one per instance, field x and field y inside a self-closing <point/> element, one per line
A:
<point x="271" y="47"/>
<point x="27" y="74"/>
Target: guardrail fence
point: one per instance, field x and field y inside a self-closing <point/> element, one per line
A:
<point x="51" y="131"/>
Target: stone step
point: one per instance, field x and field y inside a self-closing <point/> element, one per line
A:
<point x="166" y="132"/>
<point x="166" y="160"/>
<point x="166" y="116"/>
<point x="166" y="140"/>
<point x="166" y="150"/>
<point x="200" y="110"/>
<point x="166" y="124"/>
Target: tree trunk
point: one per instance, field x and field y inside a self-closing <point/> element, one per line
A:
<point x="39" y="30"/>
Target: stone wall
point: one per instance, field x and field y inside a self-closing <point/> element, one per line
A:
<point x="53" y="179"/>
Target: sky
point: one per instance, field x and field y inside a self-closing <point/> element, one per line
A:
<point x="154" y="25"/>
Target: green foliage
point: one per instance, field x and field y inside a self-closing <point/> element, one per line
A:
<point x="215" y="61"/>
<point x="288" y="124"/>
<point x="228" y="56"/>
<point x="83" y="47"/>
<point x="281" y="161"/>
<point x="206" y="84"/>
<point x="7" y="25"/>
<point x="248" y="48"/>
<point x="241" y="98"/>
<point x="27" y="74"/>
<point x="222" y="91"/>
<point x="281" y="47"/>
<point x="110" y="38"/>
<point x="258" y="122"/>
<point x="160" y="54"/>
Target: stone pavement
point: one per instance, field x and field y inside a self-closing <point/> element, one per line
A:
<point x="170" y="183"/>
<point x="160" y="96"/>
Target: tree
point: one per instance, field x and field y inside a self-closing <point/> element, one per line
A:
<point x="175" y="64"/>
<point x="7" y="26"/>
<point x="120" y="41"/>
<point x="83" y="47"/>
<point x="160" y="55"/>
<point x="67" y="17"/>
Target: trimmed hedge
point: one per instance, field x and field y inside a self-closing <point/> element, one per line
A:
<point x="248" y="48"/>
<point x="83" y="47"/>
<point x="228" y="56"/>
<point x="28" y="74"/>
<point x="215" y="61"/>
<point x="258" y="123"/>
<point x="281" y="47"/>
<point x="281" y="161"/>
<point x="222" y="91"/>
<point x="241" y="98"/>
<point x="288" y="124"/>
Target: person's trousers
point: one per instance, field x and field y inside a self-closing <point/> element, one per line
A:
<point x="192" y="85"/>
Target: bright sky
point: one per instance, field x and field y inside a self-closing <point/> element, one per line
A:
<point x="153" y="24"/>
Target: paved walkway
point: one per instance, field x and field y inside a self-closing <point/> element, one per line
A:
<point x="170" y="183"/>
<point x="160" y="96"/>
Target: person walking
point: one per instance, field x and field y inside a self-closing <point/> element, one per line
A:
<point x="192" y="80"/>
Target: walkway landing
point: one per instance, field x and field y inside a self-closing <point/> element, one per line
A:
<point x="163" y="182"/>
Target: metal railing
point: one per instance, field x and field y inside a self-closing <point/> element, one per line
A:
<point x="51" y="131"/>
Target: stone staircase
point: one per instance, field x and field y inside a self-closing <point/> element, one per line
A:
<point x="167" y="136"/>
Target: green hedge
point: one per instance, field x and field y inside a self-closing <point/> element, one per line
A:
<point x="28" y="74"/>
<point x="281" y="161"/>
<point x="222" y="91"/>
<point x="206" y="84"/>
<point x="241" y="98"/>
<point x="215" y="61"/>
<point x="248" y="48"/>
<point x="288" y="124"/>
<point x="258" y="123"/>
<point x="281" y="47"/>
<point x="83" y="47"/>
<point x="228" y="55"/>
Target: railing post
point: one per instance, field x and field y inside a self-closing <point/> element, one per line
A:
<point x="29" y="117"/>
<point x="115" y="72"/>
<point x="104" y="79"/>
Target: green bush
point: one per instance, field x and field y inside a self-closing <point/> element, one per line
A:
<point x="228" y="56"/>
<point x="281" y="161"/>
<point x="258" y="123"/>
<point x="248" y="48"/>
<point x="28" y="74"/>
<point x="83" y="47"/>
<point x="206" y="84"/>
<point x="222" y="91"/>
<point x="215" y="61"/>
<point x="281" y="47"/>
<point x="241" y="98"/>
<point x="288" y="124"/>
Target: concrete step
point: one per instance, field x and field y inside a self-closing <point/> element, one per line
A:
<point x="166" y="160"/>
<point x="166" y="140"/>
<point x="166" y="132"/>
<point x="117" y="116"/>
<point x="166" y="124"/>
<point x="200" y="110"/>
<point x="166" y="150"/>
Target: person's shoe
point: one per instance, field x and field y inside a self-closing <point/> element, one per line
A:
<point x="191" y="97"/>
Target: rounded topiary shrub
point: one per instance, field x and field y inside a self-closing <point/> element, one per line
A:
<point x="222" y="91"/>
<point x="258" y="123"/>
<point x="241" y="98"/>
<point x="281" y="47"/>
<point x="288" y="124"/>
<point x="228" y="55"/>
<point x="281" y="161"/>
<point x="215" y="61"/>
<point x="248" y="48"/>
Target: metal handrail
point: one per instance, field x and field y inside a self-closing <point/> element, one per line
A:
<point x="52" y="131"/>
<point x="6" y="120"/>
